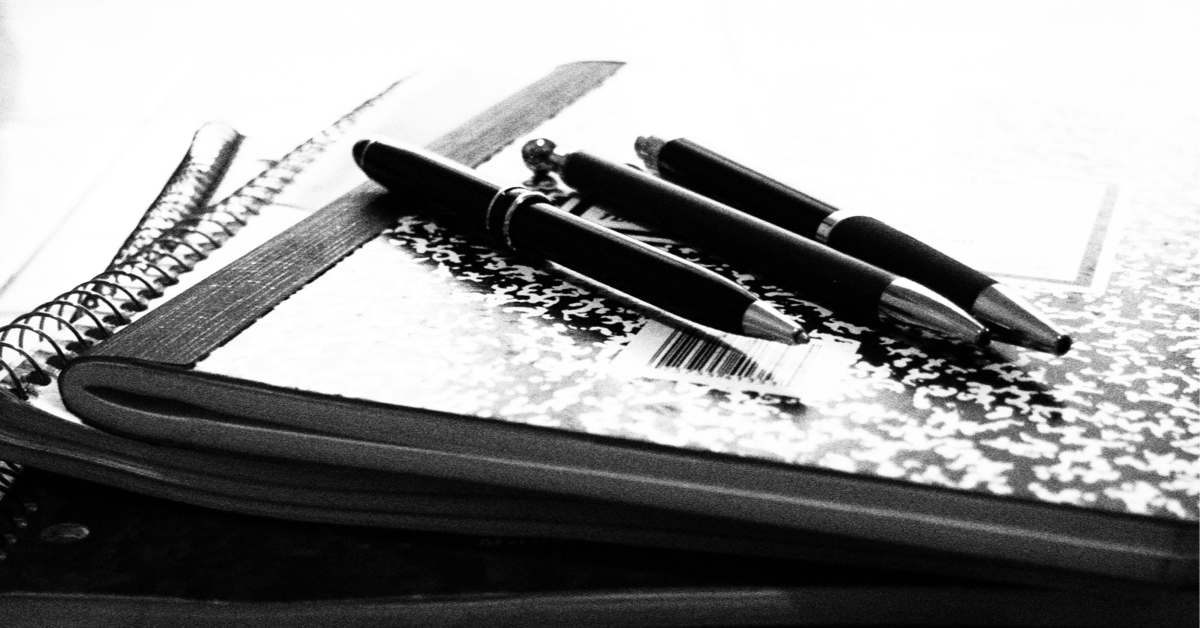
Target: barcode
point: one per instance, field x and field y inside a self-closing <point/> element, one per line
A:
<point x="760" y="363"/>
<point x="736" y="362"/>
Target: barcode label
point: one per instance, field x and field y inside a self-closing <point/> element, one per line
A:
<point x="736" y="362"/>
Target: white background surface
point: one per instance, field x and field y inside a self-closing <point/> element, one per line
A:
<point x="99" y="98"/>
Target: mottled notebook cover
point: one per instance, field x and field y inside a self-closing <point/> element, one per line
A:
<point x="429" y="318"/>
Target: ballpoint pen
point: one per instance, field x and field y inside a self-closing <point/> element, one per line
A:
<point x="523" y="220"/>
<point x="702" y="170"/>
<point x="846" y="285"/>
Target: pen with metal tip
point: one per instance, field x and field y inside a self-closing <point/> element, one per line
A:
<point x="849" y="286"/>
<point x="706" y="172"/>
<point x="523" y="220"/>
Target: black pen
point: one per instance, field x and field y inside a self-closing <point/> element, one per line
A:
<point x="702" y="170"/>
<point x="847" y="285"/>
<point x="523" y="220"/>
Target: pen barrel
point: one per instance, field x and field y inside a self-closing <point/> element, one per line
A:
<point x="430" y="177"/>
<point x="706" y="172"/>
<point x="687" y="164"/>
<point x="820" y="273"/>
<point x="878" y="243"/>
<point x="517" y="218"/>
<point x="632" y="267"/>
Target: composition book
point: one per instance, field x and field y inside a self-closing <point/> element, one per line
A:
<point x="429" y="354"/>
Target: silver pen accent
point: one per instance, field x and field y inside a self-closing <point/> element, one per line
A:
<point x="826" y="227"/>
<point x="763" y="321"/>
<point x="909" y="303"/>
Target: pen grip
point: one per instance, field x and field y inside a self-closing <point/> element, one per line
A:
<point x="686" y="163"/>
<point x="878" y="243"/>
<point x="637" y="269"/>
<point x="821" y="273"/>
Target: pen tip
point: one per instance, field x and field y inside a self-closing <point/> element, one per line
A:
<point x="761" y="320"/>
<point x="1015" y="321"/>
<point x="360" y="149"/>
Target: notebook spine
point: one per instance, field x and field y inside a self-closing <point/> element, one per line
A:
<point x="178" y="231"/>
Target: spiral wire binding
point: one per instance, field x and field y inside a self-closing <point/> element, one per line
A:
<point x="178" y="230"/>
<point x="188" y="190"/>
